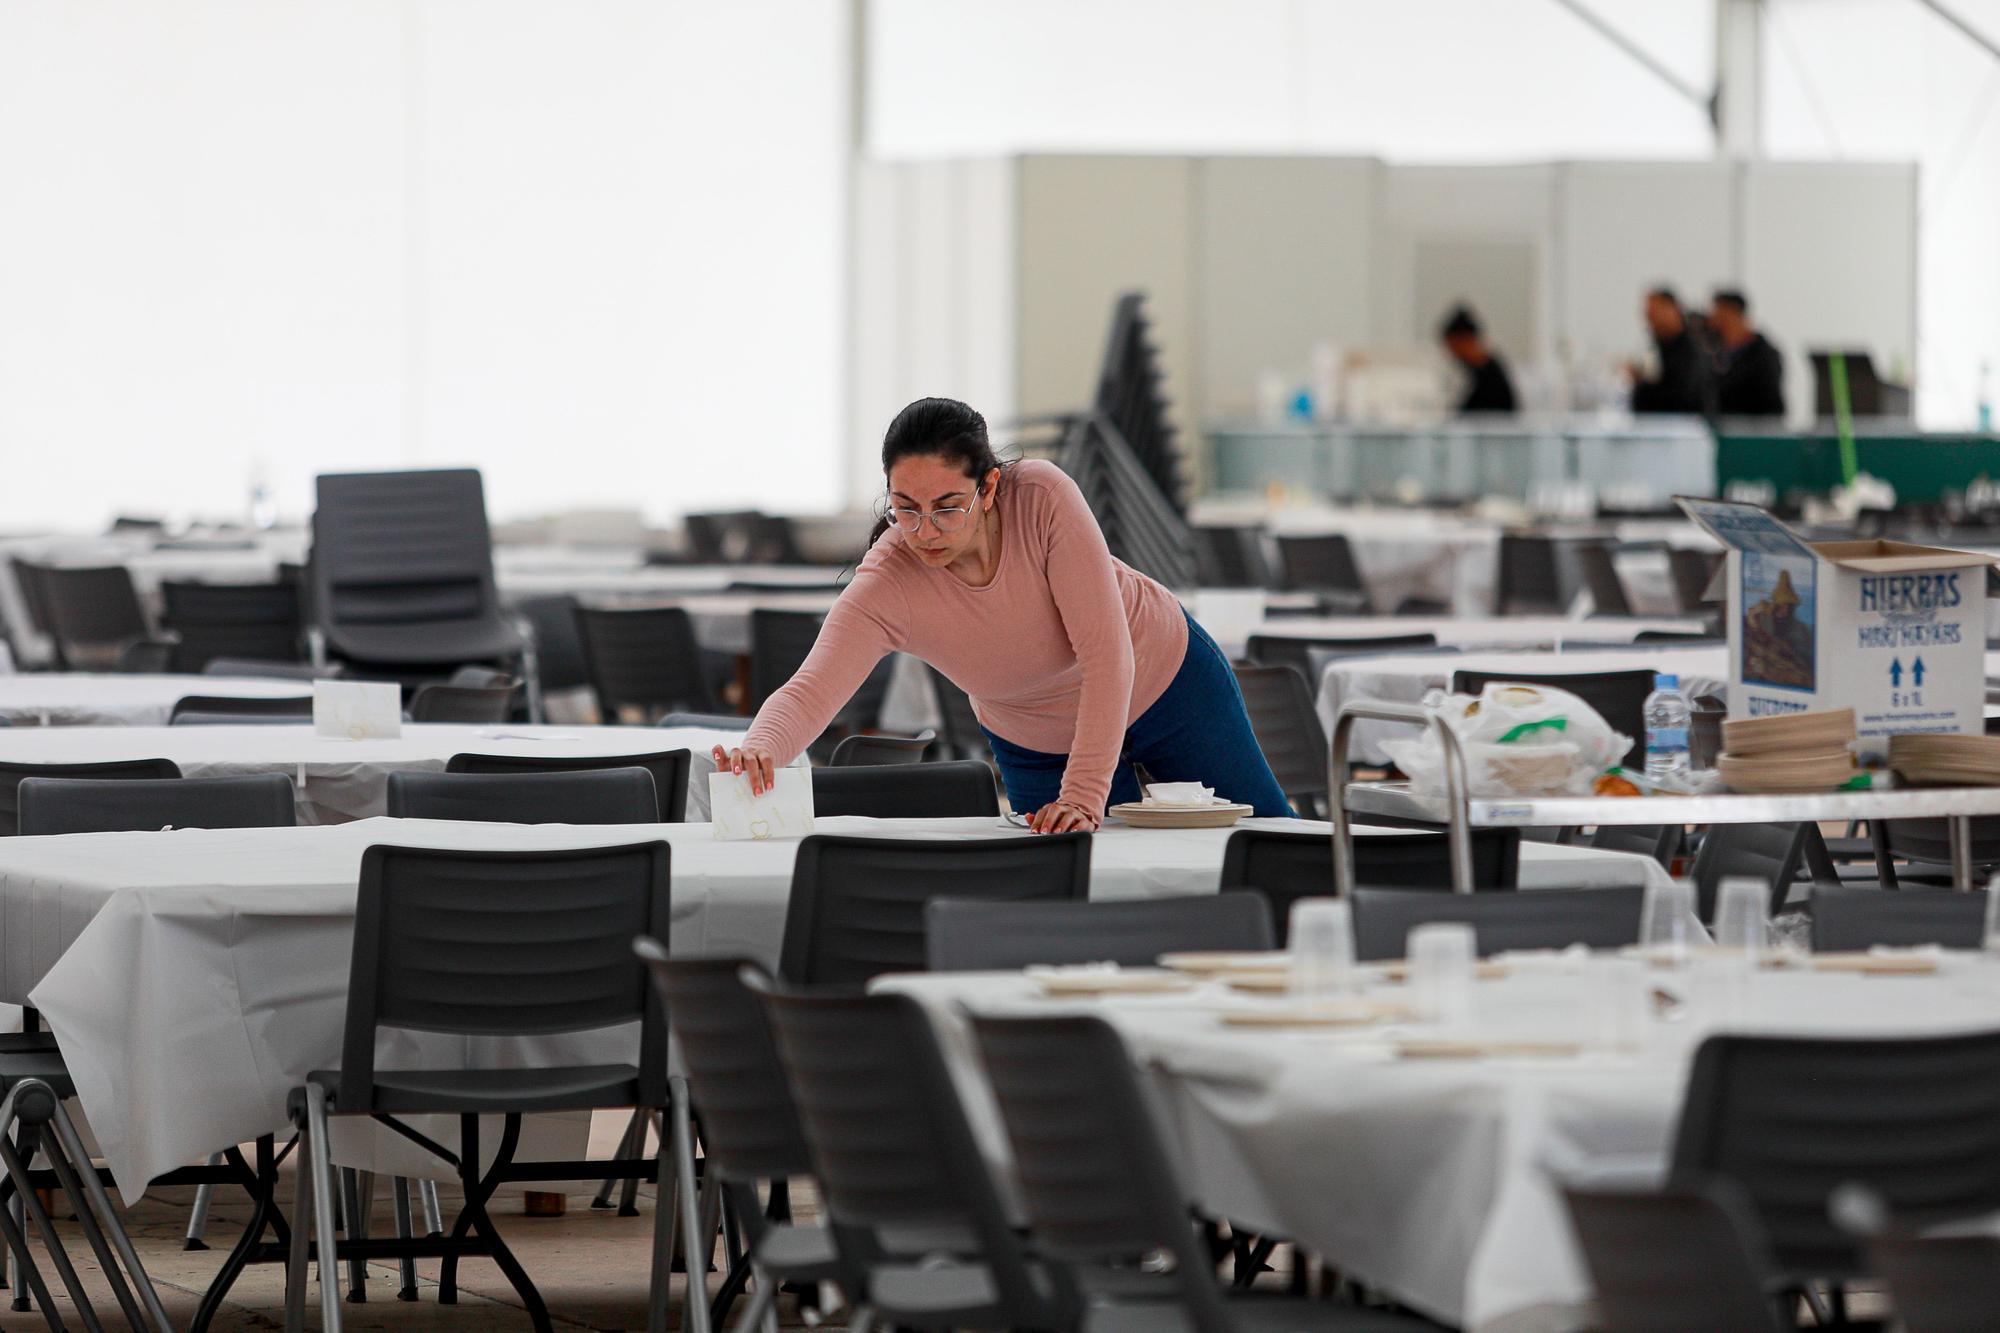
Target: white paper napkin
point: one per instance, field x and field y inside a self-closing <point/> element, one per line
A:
<point x="355" y="710"/>
<point x="1179" y="793"/>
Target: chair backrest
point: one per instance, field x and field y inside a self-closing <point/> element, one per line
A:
<point x="973" y="936"/>
<point x="956" y="720"/>
<point x="708" y="721"/>
<point x="1618" y="696"/>
<point x="890" y="1140"/>
<point x="460" y="942"/>
<point x="211" y="620"/>
<point x="863" y="751"/>
<point x="1288" y="731"/>
<point x="906" y="791"/>
<point x="1691" y="570"/>
<point x="1849" y="919"/>
<point x="1942" y="1280"/>
<point x="13" y="774"/>
<point x="93" y="613"/>
<point x="1792" y="1119"/>
<point x="400" y="549"/>
<point x="551" y="623"/>
<point x="669" y="769"/>
<point x="1774" y="853"/>
<point x="259" y="668"/>
<point x="1284" y="867"/>
<point x="1678" y="636"/>
<point x="1666" y="1261"/>
<point x="1598" y="564"/>
<point x="779" y="644"/>
<point x="1097" y="1181"/>
<point x="1231" y="558"/>
<point x="1530" y="579"/>
<point x="586" y="796"/>
<point x="117" y="805"/>
<point x="1928" y="842"/>
<point x="1660" y="842"/>
<point x="1297" y="653"/>
<point x="750" y="1124"/>
<point x="1541" y="919"/>
<point x="34" y="597"/>
<point x="475" y="704"/>
<point x="645" y="659"/>
<point x="857" y="905"/>
<point x="218" y="709"/>
<point x="1320" y="562"/>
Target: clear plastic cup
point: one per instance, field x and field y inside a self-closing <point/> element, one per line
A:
<point x="1621" y="1002"/>
<point x="1666" y="931"/>
<point x="1742" y="924"/>
<point x="1442" y="956"/>
<point x="1322" y="950"/>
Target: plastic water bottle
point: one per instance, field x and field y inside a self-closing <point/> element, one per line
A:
<point x="1666" y="730"/>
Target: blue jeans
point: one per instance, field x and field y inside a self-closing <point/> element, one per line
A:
<point x="1198" y="731"/>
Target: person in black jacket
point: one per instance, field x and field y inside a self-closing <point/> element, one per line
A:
<point x="1750" y="374"/>
<point x="1489" y="389"/>
<point x="1682" y="383"/>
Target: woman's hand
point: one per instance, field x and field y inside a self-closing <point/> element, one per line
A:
<point x="1062" y="817"/>
<point x="759" y="763"/>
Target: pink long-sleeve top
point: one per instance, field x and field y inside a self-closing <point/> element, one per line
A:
<point x="1059" y="653"/>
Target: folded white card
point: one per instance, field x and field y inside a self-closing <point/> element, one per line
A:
<point x="357" y="710"/>
<point x="784" y="811"/>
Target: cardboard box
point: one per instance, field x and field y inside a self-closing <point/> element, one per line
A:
<point x="1895" y="631"/>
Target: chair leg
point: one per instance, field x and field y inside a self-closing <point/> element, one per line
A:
<point x="761" y="1314"/>
<point x="630" y="1145"/>
<point x="15" y="1163"/>
<point x="694" y="1307"/>
<point x="88" y="1222"/>
<point x="427" y="1190"/>
<point x="628" y="1198"/>
<point x="356" y="1222"/>
<point x="299" y="1262"/>
<point x="198" y="1215"/>
<point x="321" y="1166"/>
<point x="407" y="1265"/>
<point x="666" y="1217"/>
<point x="27" y="1277"/>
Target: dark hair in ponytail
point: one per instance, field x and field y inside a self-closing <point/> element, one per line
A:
<point x="938" y="428"/>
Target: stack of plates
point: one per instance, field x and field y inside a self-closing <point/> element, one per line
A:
<point x="1946" y="759"/>
<point x="1161" y="814"/>
<point x="1788" y="753"/>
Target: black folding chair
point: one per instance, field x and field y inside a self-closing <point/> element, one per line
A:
<point x="1298" y="652"/>
<point x="969" y="935"/>
<point x="669" y="769"/>
<point x="233" y="620"/>
<point x="1845" y="920"/>
<point x="222" y="710"/>
<point x="1284" y="867"/>
<point x="906" y="791"/>
<point x="1501" y="922"/>
<point x="509" y="976"/>
<point x="12" y="775"/>
<point x="645" y="660"/>
<point x="857" y="904"/>
<point x="113" y="805"/>
<point x="581" y="796"/>
<point x="1324" y="563"/>
<point x="1288" y="731"/>
<point x="93" y="614"/>
<point x="865" y="751"/>
<point x="1618" y="696"/>
<point x="1672" y="1260"/>
<point x="1943" y="1280"/>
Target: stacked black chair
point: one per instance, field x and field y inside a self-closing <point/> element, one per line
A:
<point x="13" y="774"/>
<point x="1501" y="922"/>
<point x="1775" y="853"/>
<point x="969" y="935"/>
<point x="489" y="914"/>
<point x="111" y="805"/>
<point x="900" y="1170"/>
<point x="402" y="573"/>
<point x="1618" y="696"/>
<point x="1791" y="1120"/>
<point x="1298" y="653"/>
<point x="1284" y="867"/>
<point x="260" y="621"/>
<point x="1099" y="1187"/>
<point x="953" y="790"/>
<point x="864" y="751"/>
<point x="222" y="710"/>
<point x="857" y="904"/>
<point x="1325" y="564"/>
<point x="1288" y="730"/>
<point x="601" y="796"/>
<point x="1667" y="1261"/>
<point x="669" y="769"/>
<point x="1845" y="920"/>
<point x="646" y="660"/>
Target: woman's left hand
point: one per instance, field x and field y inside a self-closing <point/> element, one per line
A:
<point x="1062" y="817"/>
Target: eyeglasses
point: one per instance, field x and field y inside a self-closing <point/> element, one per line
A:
<point x="948" y="519"/>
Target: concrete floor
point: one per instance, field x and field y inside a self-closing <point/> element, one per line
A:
<point x="591" y="1267"/>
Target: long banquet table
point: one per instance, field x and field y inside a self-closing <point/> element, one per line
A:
<point x="122" y="699"/>
<point x="1437" y="1180"/>
<point x="231" y="946"/>
<point x="339" y="780"/>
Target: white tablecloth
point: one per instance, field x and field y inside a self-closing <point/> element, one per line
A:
<point x="341" y="780"/>
<point x="521" y="576"/>
<point x="1437" y="1180"/>
<point x="193" y="977"/>
<point x="110" y="699"/>
<point x="1405" y="679"/>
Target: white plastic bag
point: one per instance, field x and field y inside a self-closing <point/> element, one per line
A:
<point x="1519" y="740"/>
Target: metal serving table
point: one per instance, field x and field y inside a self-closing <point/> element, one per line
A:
<point x="1459" y="812"/>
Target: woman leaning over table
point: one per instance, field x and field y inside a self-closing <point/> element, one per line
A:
<point x="1077" y="665"/>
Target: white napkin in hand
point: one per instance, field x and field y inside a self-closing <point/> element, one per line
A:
<point x="1179" y="793"/>
<point x="783" y="811"/>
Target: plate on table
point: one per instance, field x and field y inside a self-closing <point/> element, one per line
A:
<point x="1138" y="814"/>
<point x="1204" y="962"/>
<point x="1335" y="1014"/>
<point x="1473" y="1048"/>
<point x="1877" y="964"/>
<point x="1108" y="981"/>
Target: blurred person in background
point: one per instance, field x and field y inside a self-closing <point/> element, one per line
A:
<point x="1488" y="388"/>
<point x="1749" y="372"/>
<point x="1682" y="383"/>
